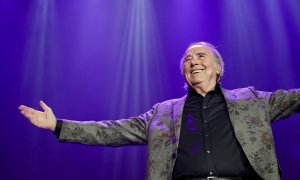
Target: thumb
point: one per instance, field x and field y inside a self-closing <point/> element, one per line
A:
<point x="44" y="106"/>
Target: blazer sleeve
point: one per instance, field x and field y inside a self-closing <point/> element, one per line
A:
<point x="132" y="131"/>
<point x="281" y="103"/>
<point x="284" y="103"/>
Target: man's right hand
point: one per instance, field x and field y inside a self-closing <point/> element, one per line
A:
<point x="45" y="120"/>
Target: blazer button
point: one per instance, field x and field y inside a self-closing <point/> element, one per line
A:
<point x="174" y="155"/>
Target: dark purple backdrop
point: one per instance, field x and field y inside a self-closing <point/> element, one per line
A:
<point x="94" y="59"/>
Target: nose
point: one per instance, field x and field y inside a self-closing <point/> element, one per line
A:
<point x="194" y="61"/>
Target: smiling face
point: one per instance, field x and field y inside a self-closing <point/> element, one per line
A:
<point x="200" y="68"/>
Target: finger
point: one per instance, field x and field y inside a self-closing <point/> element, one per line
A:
<point x="27" y="111"/>
<point x="26" y="114"/>
<point x="44" y="106"/>
<point x="23" y="107"/>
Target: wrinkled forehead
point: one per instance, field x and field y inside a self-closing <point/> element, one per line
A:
<point x="197" y="49"/>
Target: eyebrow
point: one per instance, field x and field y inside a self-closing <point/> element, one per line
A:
<point x="201" y="53"/>
<point x="198" y="53"/>
<point x="186" y="56"/>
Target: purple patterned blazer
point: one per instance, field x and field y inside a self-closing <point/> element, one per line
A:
<point x="251" y="113"/>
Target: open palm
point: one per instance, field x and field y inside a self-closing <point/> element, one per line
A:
<point x="45" y="120"/>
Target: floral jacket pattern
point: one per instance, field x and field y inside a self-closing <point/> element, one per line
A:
<point x="251" y="113"/>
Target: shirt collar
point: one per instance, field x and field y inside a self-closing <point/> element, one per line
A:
<point x="217" y="89"/>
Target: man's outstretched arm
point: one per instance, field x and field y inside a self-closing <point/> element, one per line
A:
<point x="131" y="131"/>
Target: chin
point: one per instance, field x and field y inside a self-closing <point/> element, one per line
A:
<point x="197" y="83"/>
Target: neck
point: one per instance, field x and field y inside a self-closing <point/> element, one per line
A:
<point x="203" y="89"/>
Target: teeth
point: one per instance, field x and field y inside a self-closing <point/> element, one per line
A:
<point x="197" y="71"/>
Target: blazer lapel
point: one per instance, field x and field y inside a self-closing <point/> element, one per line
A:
<point x="177" y="118"/>
<point x="230" y="98"/>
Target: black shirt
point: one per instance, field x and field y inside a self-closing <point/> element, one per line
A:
<point x="207" y="144"/>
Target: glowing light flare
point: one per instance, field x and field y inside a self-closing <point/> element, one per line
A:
<point x="134" y="82"/>
<point x="40" y="48"/>
<point x="250" y="28"/>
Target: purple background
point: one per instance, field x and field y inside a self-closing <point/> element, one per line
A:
<point x="93" y="59"/>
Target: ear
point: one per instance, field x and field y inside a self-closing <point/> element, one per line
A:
<point x="218" y="69"/>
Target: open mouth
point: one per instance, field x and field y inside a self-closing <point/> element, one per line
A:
<point x="197" y="71"/>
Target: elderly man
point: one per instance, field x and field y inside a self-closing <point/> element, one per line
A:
<point x="210" y="133"/>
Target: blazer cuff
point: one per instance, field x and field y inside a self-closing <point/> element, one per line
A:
<point x="57" y="130"/>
